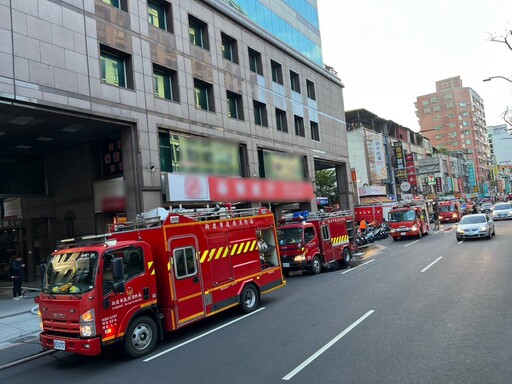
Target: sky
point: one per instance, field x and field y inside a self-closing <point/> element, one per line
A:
<point x="389" y="52"/>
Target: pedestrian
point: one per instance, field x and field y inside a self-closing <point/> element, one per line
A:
<point x="436" y="219"/>
<point x="42" y="271"/>
<point x="17" y="272"/>
<point x="474" y="209"/>
<point x="362" y="226"/>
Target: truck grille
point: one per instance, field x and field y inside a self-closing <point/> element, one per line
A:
<point x="61" y="327"/>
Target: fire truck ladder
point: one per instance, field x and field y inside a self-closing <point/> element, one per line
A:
<point x="85" y="241"/>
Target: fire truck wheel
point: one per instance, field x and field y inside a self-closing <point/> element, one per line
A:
<point x="346" y="257"/>
<point x="316" y="266"/>
<point x="140" y="337"/>
<point x="249" y="298"/>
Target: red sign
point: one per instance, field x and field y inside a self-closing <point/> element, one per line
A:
<point x="230" y="189"/>
<point x="439" y="184"/>
<point x="410" y="169"/>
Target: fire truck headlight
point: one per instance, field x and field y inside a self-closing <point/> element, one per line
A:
<point x="414" y="227"/>
<point x="454" y="215"/>
<point x="87" y="327"/>
<point x="299" y="259"/>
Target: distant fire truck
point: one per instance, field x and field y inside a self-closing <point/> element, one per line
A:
<point x="310" y="241"/>
<point x="156" y="274"/>
<point x="449" y="211"/>
<point x="408" y="220"/>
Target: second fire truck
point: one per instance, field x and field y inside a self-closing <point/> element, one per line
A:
<point x="409" y="220"/>
<point x="310" y="241"/>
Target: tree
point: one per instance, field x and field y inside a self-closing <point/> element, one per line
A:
<point x="327" y="186"/>
<point x="507" y="40"/>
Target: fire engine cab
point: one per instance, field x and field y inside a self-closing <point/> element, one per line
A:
<point x="449" y="211"/>
<point x="310" y="241"/>
<point x="156" y="274"/>
<point x="408" y="220"/>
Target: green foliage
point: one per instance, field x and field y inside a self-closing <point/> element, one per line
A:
<point x="326" y="185"/>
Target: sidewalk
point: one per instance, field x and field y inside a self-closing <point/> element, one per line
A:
<point x="19" y="320"/>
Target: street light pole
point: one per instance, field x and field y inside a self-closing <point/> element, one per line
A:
<point x="498" y="77"/>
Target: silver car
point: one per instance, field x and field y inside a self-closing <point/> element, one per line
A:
<point x="502" y="211"/>
<point x="475" y="226"/>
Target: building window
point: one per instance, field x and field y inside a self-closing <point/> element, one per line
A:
<point x="463" y="104"/>
<point x="424" y="102"/>
<point x="467" y="132"/>
<point x="299" y="126"/>
<point x="310" y="88"/>
<point x="448" y="96"/>
<point x="198" y="32"/>
<point x="159" y="15"/>
<point x="452" y="135"/>
<point x="315" y="132"/>
<point x="465" y="123"/>
<point x="468" y="142"/>
<point x="436" y="118"/>
<point x="437" y="108"/>
<point x="426" y="111"/>
<point x="255" y="64"/>
<point x="449" y="105"/>
<point x="229" y="48"/>
<point x="165" y="83"/>
<point x="450" y="125"/>
<point x="277" y="72"/>
<point x="433" y="99"/>
<point x="439" y="137"/>
<point x="260" y="114"/>
<point x="438" y="127"/>
<point x="115" y="68"/>
<point x="235" y="109"/>
<point x="454" y="143"/>
<point x="450" y="115"/>
<point x="295" y="81"/>
<point x="281" y="120"/>
<point x="464" y="114"/>
<point x="121" y="4"/>
<point x="204" y="95"/>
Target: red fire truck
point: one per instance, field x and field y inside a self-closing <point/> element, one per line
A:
<point x="156" y="274"/>
<point x="409" y="219"/>
<point x="449" y="211"/>
<point x="309" y="241"/>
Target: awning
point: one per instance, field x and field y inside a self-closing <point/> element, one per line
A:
<point x="365" y="200"/>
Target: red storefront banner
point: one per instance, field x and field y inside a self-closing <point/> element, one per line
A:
<point x="231" y="189"/>
<point x="411" y="169"/>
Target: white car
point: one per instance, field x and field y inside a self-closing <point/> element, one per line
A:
<point x="502" y="211"/>
<point x="475" y="226"/>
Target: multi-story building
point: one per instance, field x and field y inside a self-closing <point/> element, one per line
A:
<point x="107" y="106"/>
<point x="384" y="153"/>
<point x="453" y="119"/>
<point x="500" y="139"/>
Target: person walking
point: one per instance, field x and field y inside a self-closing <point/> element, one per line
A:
<point x="17" y="272"/>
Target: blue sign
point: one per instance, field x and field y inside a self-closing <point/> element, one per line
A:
<point x="471" y="174"/>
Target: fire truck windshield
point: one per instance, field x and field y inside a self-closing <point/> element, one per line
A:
<point x="447" y="208"/>
<point x="72" y="272"/>
<point x="399" y="216"/>
<point x="289" y="236"/>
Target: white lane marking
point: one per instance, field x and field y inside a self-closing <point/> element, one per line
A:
<point x="461" y="241"/>
<point x="327" y="346"/>
<point x="360" y="265"/>
<point x="431" y="264"/>
<point x="201" y="336"/>
<point x="414" y="242"/>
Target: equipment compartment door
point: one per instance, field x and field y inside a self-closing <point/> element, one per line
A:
<point x="187" y="281"/>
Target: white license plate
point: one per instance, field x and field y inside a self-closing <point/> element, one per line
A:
<point x="59" y="345"/>
<point x="403" y="234"/>
<point x="286" y="265"/>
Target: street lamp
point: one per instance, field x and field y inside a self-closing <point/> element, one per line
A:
<point x="496" y="77"/>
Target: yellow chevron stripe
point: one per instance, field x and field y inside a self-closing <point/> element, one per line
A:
<point x="253" y="244"/>
<point x="247" y="246"/>
<point x="225" y="252"/>
<point x="212" y="252"/>
<point x="203" y="258"/>
<point x="233" y="250"/>
<point x="219" y="252"/>
<point x="240" y="248"/>
<point x="153" y="272"/>
<point x="169" y="266"/>
<point x="150" y="264"/>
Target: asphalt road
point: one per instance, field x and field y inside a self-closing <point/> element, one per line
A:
<point x="427" y="311"/>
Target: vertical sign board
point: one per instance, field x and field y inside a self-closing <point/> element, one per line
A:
<point x="439" y="184"/>
<point x="378" y="151"/>
<point x="400" y="161"/>
<point x="411" y="169"/>
<point x="471" y="174"/>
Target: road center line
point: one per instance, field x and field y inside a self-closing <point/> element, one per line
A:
<point x="201" y="336"/>
<point x="414" y="242"/>
<point x="431" y="264"/>
<point x="327" y="346"/>
<point x="360" y="265"/>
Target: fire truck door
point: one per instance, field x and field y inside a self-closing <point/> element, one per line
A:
<point x="187" y="281"/>
<point x="326" y="244"/>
